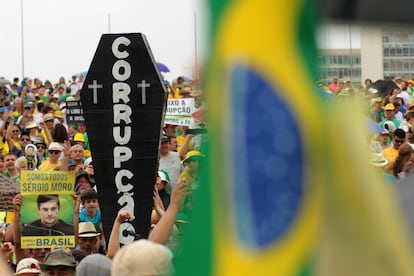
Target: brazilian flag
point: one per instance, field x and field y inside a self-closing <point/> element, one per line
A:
<point x="258" y="210"/>
<point x="287" y="188"/>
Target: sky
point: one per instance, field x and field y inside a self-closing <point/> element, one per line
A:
<point x="60" y="37"/>
<point x="338" y="36"/>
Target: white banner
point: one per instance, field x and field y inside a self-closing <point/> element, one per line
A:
<point x="179" y="111"/>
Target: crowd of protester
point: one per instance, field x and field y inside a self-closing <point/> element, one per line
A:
<point x="34" y="135"/>
<point x="390" y="105"/>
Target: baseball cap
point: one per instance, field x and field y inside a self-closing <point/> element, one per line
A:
<point x="28" y="265"/>
<point x="164" y="176"/>
<point x="164" y="138"/>
<point x="193" y="155"/>
<point x="79" y="137"/>
<point x="389" y="106"/>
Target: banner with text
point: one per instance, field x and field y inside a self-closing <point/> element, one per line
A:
<point x="50" y="194"/>
<point x="179" y="111"/>
<point x="123" y="99"/>
<point x="9" y="188"/>
<point x="74" y="112"/>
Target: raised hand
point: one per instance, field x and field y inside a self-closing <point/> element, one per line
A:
<point x="17" y="202"/>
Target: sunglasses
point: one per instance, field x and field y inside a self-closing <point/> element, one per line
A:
<point x="40" y="147"/>
<point x="54" y="152"/>
<point x="25" y="139"/>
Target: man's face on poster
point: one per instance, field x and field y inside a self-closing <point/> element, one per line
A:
<point x="49" y="212"/>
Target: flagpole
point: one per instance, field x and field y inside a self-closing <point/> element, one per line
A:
<point x="22" y="35"/>
<point x="350" y="52"/>
<point x="109" y="23"/>
<point x="195" y="47"/>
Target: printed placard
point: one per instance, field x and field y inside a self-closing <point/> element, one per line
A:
<point x="48" y="209"/>
<point x="179" y="111"/>
<point x="9" y="188"/>
<point x="74" y="112"/>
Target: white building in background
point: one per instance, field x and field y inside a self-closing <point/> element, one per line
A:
<point x="372" y="58"/>
<point x="361" y="52"/>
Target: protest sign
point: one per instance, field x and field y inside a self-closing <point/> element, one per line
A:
<point x="8" y="189"/>
<point x="123" y="99"/>
<point x="179" y="111"/>
<point x="74" y="112"/>
<point x="50" y="194"/>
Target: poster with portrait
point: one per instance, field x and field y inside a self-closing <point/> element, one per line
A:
<point x="48" y="209"/>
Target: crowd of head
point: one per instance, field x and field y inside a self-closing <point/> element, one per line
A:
<point x="36" y="136"/>
<point x="390" y="105"/>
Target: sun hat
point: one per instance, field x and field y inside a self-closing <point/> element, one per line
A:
<point x="378" y="160"/>
<point x="54" y="146"/>
<point x="58" y="257"/>
<point x="82" y="173"/>
<point x="31" y="124"/>
<point x="58" y="114"/>
<point x="48" y="117"/>
<point x="87" y="230"/>
<point x="378" y="100"/>
<point x="27" y="265"/>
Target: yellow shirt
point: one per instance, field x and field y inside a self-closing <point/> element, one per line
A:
<point x="2" y="147"/>
<point x="6" y="146"/>
<point x="180" y="143"/>
<point x="391" y="154"/>
<point x="177" y="93"/>
<point x="44" y="136"/>
<point x="47" y="166"/>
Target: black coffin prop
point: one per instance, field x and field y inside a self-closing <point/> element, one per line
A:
<point x="124" y="99"/>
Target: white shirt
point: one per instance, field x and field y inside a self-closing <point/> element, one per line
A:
<point x="172" y="165"/>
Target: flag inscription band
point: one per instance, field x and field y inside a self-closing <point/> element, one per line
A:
<point x="124" y="101"/>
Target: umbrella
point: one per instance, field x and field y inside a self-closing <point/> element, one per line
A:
<point x="162" y="67"/>
<point x="374" y="127"/>
<point x="384" y="87"/>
